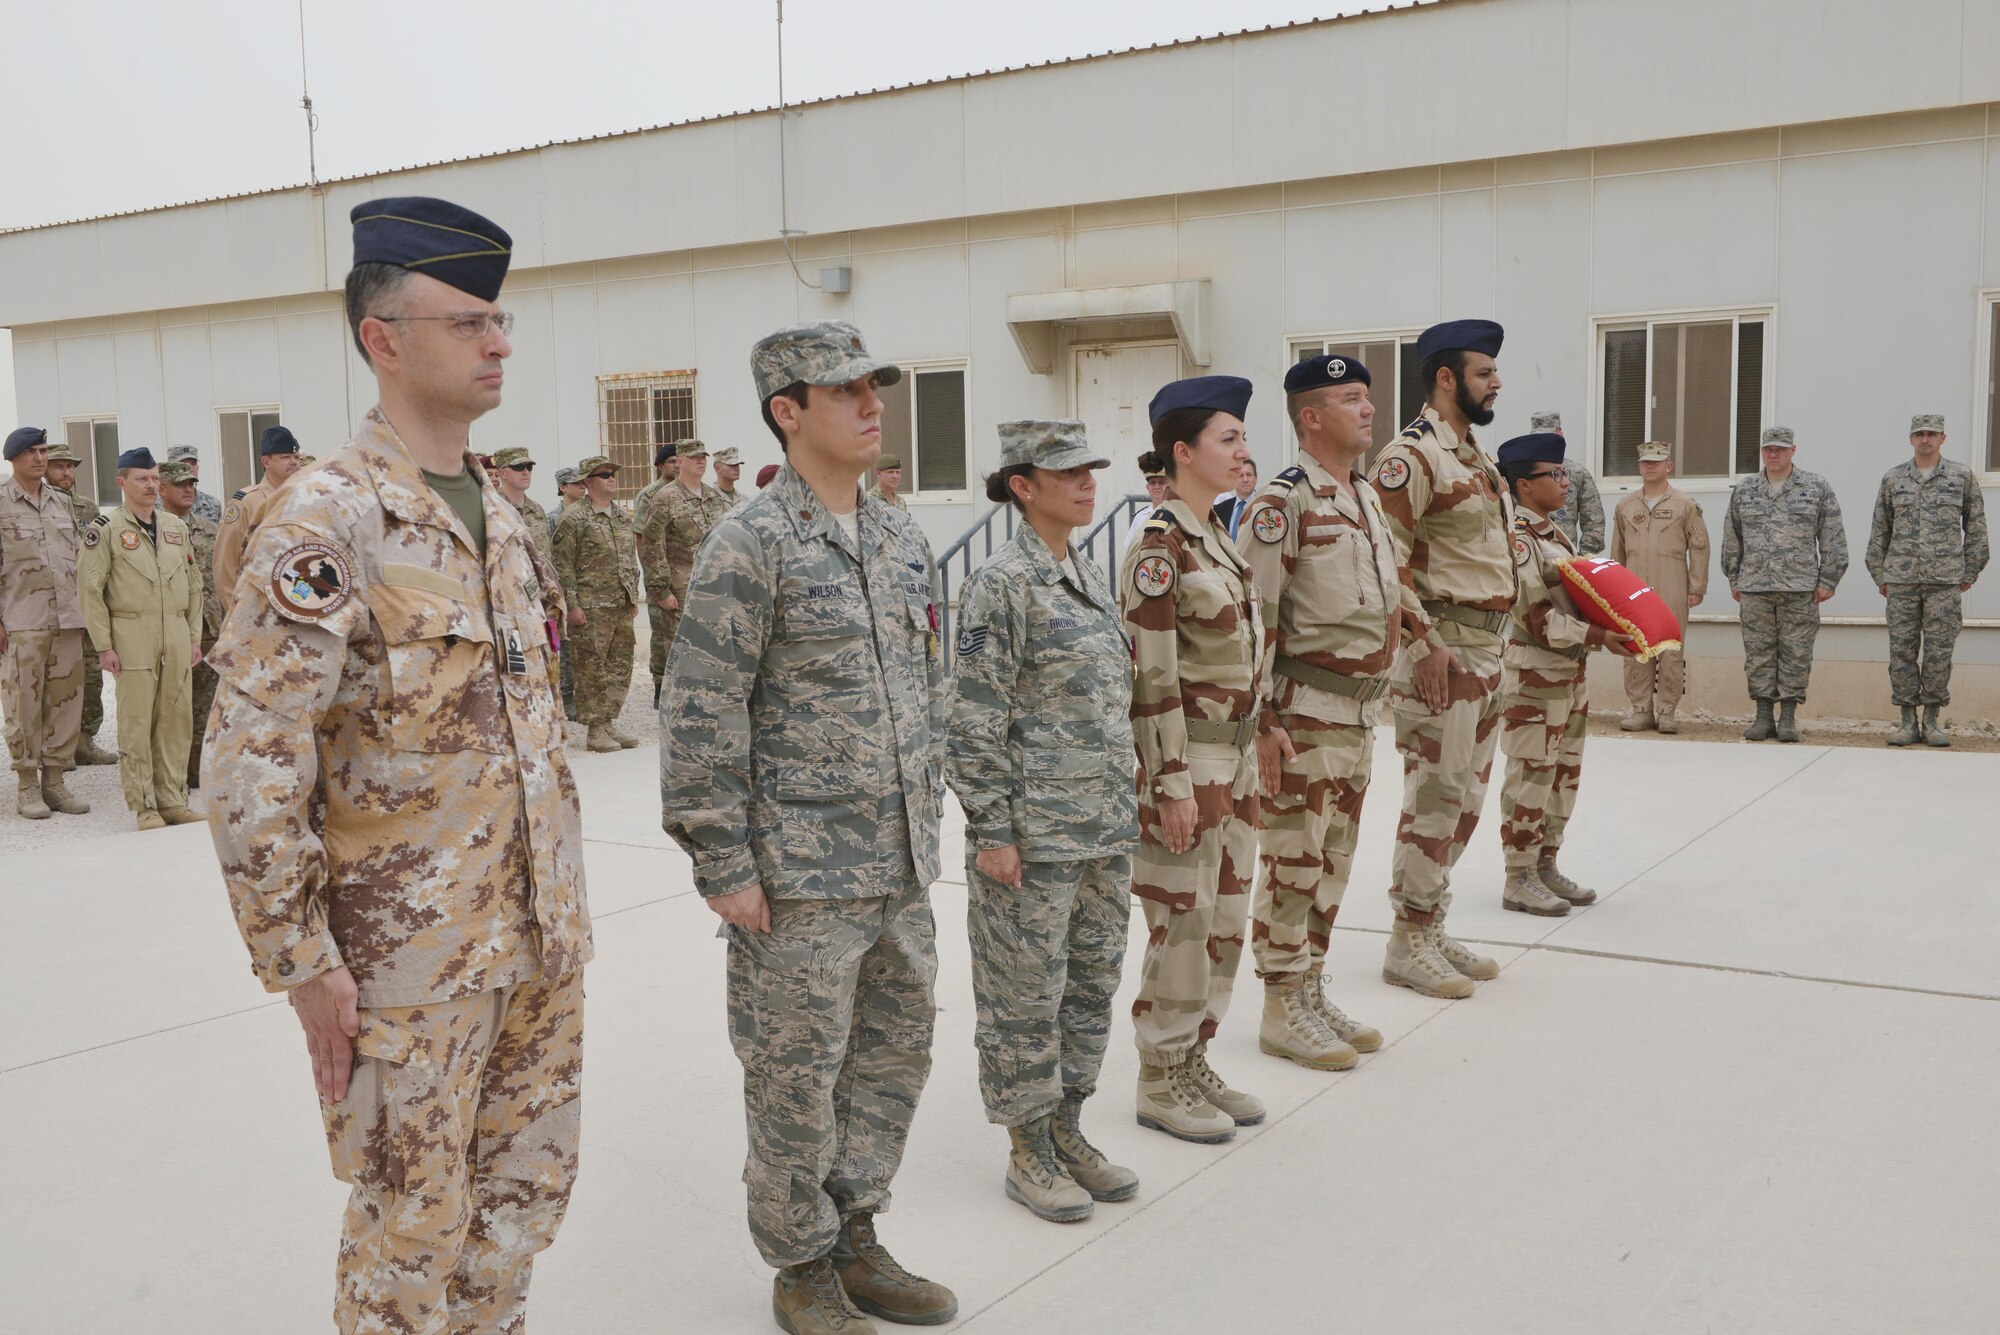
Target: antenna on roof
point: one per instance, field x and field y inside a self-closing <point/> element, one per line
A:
<point x="306" y="101"/>
<point x="785" y="232"/>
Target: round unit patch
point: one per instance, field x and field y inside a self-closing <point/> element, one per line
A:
<point x="232" y="513"/>
<point x="1393" y="475"/>
<point x="1520" y="547"/>
<point x="92" y="536"/>
<point x="311" y="581"/>
<point x="1153" y="576"/>
<point x="129" y="540"/>
<point x="1269" y="524"/>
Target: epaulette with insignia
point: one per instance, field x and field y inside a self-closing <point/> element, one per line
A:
<point x="101" y="520"/>
<point x="239" y="493"/>
<point x="1422" y="426"/>
<point x="1161" y="524"/>
<point x="1289" y="478"/>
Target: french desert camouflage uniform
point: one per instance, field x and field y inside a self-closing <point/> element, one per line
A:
<point x="1190" y="607"/>
<point x="1928" y="538"/>
<point x="1040" y="755"/>
<point x="599" y="572"/>
<point x="84" y="509"/>
<point x="802" y="748"/>
<point x="41" y="670"/>
<point x="389" y="792"/>
<point x="1779" y="544"/>
<point x="670" y="535"/>
<point x="1451" y="518"/>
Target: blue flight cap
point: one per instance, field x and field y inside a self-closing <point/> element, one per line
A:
<point x="433" y="236"/>
<point x="1221" y="393"/>
<point x="1326" y="369"/>
<point x="139" y="458"/>
<point x="1537" y="447"/>
<point x="277" y="440"/>
<point x="664" y="453"/>
<point x="1470" y="335"/>
<point x="24" y="438"/>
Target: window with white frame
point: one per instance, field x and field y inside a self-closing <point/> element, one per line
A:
<point x="240" y="429"/>
<point x="1993" y="383"/>
<point x="638" y="413"/>
<point x="924" y="424"/>
<point x="94" y="440"/>
<point x="1694" y="381"/>
<point x="1396" y="388"/>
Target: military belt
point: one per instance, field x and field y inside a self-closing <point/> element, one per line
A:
<point x="1235" y="732"/>
<point x="1491" y="622"/>
<point x="1363" y="689"/>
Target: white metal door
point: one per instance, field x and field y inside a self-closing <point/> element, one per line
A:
<point x="1112" y="386"/>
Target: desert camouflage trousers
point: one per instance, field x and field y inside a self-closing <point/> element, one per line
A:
<point x="1924" y="621"/>
<point x="205" y="682"/>
<point x="93" y="691"/>
<point x="41" y="692"/>
<point x="458" y="1136"/>
<point x="1307" y="847"/>
<point x="1656" y="684"/>
<point x="1196" y="904"/>
<point x="1543" y="724"/>
<point x="831" y="1013"/>
<point x="1447" y="763"/>
<point x="1778" y="634"/>
<point x="1045" y="965"/>
<point x="603" y="669"/>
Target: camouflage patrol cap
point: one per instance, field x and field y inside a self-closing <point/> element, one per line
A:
<point x="1776" y="435"/>
<point x="1921" y="422"/>
<point x="62" y="454"/>
<point x="566" y="475"/>
<point x="1055" y="446"/>
<point x="1545" y="422"/>
<point x="177" y="471"/>
<point x="183" y="454"/>
<point x="591" y="463"/>
<point x="825" y="352"/>
<point x="514" y="456"/>
<point x="728" y="454"/>
<point x="889" y="461"/>
<point x="1655" y="452"/>
<point x="687" y="449"/>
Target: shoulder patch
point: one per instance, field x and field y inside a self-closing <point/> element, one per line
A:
<point x="1153" y="575"/>
<point x="1269" y="523"/>
<point x="1393" y="474"/>
<point x="92" y="535"/>
<point x="1521" y="548"/>
<point x="232" y="513"/>
<point x="129" y="540"/>
<point x="1289" y="478"/>
<point x="310" y="582"/>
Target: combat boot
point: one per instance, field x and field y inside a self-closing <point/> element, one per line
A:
<point x="88" y="752"/>
<point x="877" y="1283"/>
<point x="617" y="734"/>
<point x="1413" y="962"/>
<point x="1664" y="720"/>
<point x="1240" y="1108"/>
<point x="1788" y="722"/>
<point x="1761" y="729"/>
<point x="29" y="800"/>
<point x="57" y="796"/>
<point x="1934" y="733"/>
<point x="1037" y="1180"/>
<point x="1168" y="1102"/>
<point x="151" y="820"/>
<point x="181" y="816"/>
<point x="600" y="739"/>
<point x="1525" y="893"/>
<point x="1636" y="720"/>
<point x="1910" y="733"/>
<point x="1292" y="1029"/>
<point x="1553" y="879"/>
<point x="656" y="692"/>
<point x="1479" y="968"/>
<point x="808" y="1300"/>
<point x="1088" y="1168"/>
<point x="1349" y="1031"/>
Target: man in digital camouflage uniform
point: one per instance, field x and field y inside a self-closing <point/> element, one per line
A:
<point x="205" y="505"/>
<point x="1582" y="519"/>
<point x="177" y="496"/>
<point x="677" y="519"/>
<point x="801" y="756"/>
<point x="1926" y="546"/>
<point x="599" y="570"/>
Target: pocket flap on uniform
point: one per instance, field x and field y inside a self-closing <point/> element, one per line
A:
<point x="399" y="575"/>
<point x="1080" y="763"/>
<point x="408" y="614"/>
<point x="388" y="1041"/>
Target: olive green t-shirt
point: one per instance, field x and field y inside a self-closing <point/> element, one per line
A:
<point x="461" y="493"/>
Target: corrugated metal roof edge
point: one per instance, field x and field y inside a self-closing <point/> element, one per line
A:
<point x="752" y="111"/>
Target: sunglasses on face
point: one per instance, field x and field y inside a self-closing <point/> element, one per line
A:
<point x="604" y="477"/>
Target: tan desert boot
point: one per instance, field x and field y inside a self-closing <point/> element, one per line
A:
<point x="1413" y="961"/>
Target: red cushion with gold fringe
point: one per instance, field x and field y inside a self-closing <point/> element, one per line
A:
<point x="1607" y="594"/>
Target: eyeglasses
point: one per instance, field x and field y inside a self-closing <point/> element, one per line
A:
<point x="1553" y="472"/>
<point x="473" y="324"/>
<point x="520" y="468"/>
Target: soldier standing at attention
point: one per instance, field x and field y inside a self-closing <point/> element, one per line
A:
<point x="1190" y="609"/>
<point x="177" y="493"/>
<point x="1926" y="546"/>
<point x="679" y="518"/>
<point x="1544" y="706"/>
<point x="569" y="490"/>
<point x="600" y="583"/>
<point x="889" y="481"/>
<point x="1783" y="553"/>
<point x="205" y="505"/>
<point x="665" y="470"/>
<point x="801" y="757"/>
<point x="41" y="629"/>
<point x="62" y="476"/>
<point x="728" y="468"/>
<point x="1450" y="516"/>
<point x="142" y="602"/>
<point x="1659" y="534"/>
<point x="1155" y="474"/>
<point x="279" y="449"/>
<point x="1318" y="545"/>
<point x="1582" y="517"/>
<point x="1040" y="754"/>
<point x="395" y="818"/>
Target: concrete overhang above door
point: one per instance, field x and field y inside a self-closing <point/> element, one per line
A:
<point x="1034" y="317"/>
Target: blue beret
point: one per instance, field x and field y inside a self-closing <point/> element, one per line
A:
<point x="433" y="236"/>
<point x="661" y="455"/>
<point x="24" y="438"/>
<point x="1317" y="372"/>
<point x="1537" y="447"/>
<point x="1222" y="393"/>
<point x="1470" y="335"/>
<point x="277" y="440"/>
<point x="139" y="458"/>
